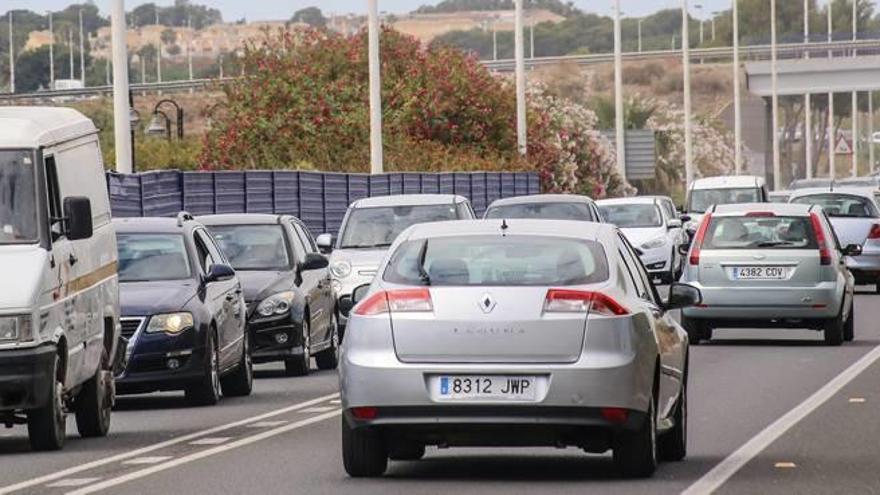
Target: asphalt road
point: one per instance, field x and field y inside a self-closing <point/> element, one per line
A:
<point x="777" y="397"/>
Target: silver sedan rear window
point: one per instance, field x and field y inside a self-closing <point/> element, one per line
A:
<point x="514" y="260"/>
<point x="760" y="232"/>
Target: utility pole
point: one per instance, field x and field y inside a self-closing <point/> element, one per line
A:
<point x="855" y="95"/>
<point x="121" y="105"/>
<point x="51" y="53"/>
<point x="158" y="50"/>
<point x="82" y="50"/>
<point x="619" y="116"/>
<point x="774" y="77"/>
<point x="70" y="48"/>
<point x="871" y="144"/>
<point x="714" y="15"/>
<point x="189" y="58"/>
<point x="832" y="134"/>
<point x="107" y="72"/>
<point x="737" y="100"/>
<point x="376" y="158"/>
<point x="531" y="38"/>
<point x="494" y="40"/>
<point x="686" y="67"/>
<point x="699" y="8"/>
<point x="11" y="56"/>
<point x="522" y="138"/>
<point x="640" y="34"/>
<point x="808" y="110"/>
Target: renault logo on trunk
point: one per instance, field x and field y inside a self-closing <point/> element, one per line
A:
<point x="487" y="303"/>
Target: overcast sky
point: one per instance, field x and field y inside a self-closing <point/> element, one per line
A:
<point x="283" y="9"/>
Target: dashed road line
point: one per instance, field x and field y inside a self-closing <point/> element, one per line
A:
<point x="211" y="441"/>
<point x="723" y="471"/>
<point x="318" y="410"/>
<point x="147" y="460"/>
<point x="103" y="485"/>
<point x="65" y="473"/>
<point x="267" y="424"/>
<point x="72" y="482"/>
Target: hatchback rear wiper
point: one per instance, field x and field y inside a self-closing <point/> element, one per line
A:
<point x="423" y="273"/>
<point x="774" y="244"/>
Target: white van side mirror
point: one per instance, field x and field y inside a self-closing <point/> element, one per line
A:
<point x="78" y="218"/>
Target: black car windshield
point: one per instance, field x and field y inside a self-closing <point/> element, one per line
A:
<point x="18" y="205"/>
<point x="379" y="226"/>
<point x="149" y="257"/>
<point x="632" y="216"/>
<point x="547" y="211"/>
<point x="702" y="199"/>
<point x="253" y="247"/>
<point x="760" y="232"/>
<point x="841" y="205"/>
<point x="514" y="260"/>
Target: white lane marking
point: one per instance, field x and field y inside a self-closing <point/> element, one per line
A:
<point x="722" y="472"/>
<point x="72" y="482"/>
<point x="267" y="424"/>
<point x="336" y="401"/>
<point x="785" y="465"/>
<point x="202" y="454"/>
<point x="161" y="445"/>
<point x="857" y="400"/>
<point x="322" y="409"/>
<point x="211" y="441"/>
<point x="147" y="460"/>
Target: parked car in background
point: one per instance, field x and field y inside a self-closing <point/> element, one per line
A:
<point x="769" y="265"/>
<point x="545" y="206"/>
<point x="855" y="216"/>
<point x="709" y="191"/>
<point x="656" y="235"/>
<point x="818" y="182"/>
<point x="847" y="182"/>
<point x="779" y="196"/>
<point x="59" y="329"/>
<point x="291" y="310"/>
<point x="369" y="228"/>
<point x="474" y="330"/>
<point x="183" y="312"/>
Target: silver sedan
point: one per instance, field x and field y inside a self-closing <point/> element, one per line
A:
<point x="514" y="333"/>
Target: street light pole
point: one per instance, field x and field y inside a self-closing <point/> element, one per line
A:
<point x="714" y="14"/>
<point x="495" y="40"/>
<point x="158" y="50"/>
<point x="640" y="34"/>
<point x="11" y="56"/>
<point x="855" y="96"/>
<point x="686" y="67"/>
<point x="808" y="110"/>
<point x="522" y="138"/>
<point x="737" y="103"/>
<point x="51" y="53"/>
<point x="618" y="94"/>
<point x="531" y="38"/>
<point x="82" y="50"/>
<point x="699" y="8"/>
<point x="832" y="135"/>
<point x="121" y="106"/>
<point x="376" y="158"/>
<point x="189" y="58"/>
<point x="774" y="71"/>
<point x="70" y="48"/>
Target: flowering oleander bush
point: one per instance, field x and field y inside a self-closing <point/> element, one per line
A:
<point x="305" y="100"/>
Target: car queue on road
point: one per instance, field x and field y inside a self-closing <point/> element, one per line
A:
<point x="538" y="325"/>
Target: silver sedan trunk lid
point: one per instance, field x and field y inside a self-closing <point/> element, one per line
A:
<point x="488" y="325"/>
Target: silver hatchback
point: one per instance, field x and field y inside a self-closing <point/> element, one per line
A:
<point x="514" y="333"/>
<point x="769" y="265"/>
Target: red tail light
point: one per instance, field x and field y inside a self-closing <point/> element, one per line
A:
<point x="824" y="251"/>
<point x="582" y="301"/>
<point x="616" y="415"/>
<point x="366" y="413"/>
<point x="875" y="232"/>
<point x="396" y="301"/>
<point x="698" y="239"/>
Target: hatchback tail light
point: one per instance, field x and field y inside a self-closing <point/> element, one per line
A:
<point x="581" y="301"/>
<point x="821" y="240"/>
<point x="875" y="232"/>
<point x="396" y="301"/>
<point x="698" y="240"/>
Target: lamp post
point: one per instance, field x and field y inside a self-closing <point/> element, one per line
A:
<point x="737" y="101"/>
<point x="155" y="123"/>
<point x="619" y="116"/>
<point x="51" y="53"/>
<point x="521" y="129"/>
<point x="121" y="93"/>
<point x="376" y="158"/>
<point x="82" y="50"/>
<point x="640" y="34"/>
<point x="774" y="77"/>
<point x="808" y="110"/>
<point x="134" y="119"/>
<point x="699" y="8"/>
<point x="714" y="15"/>
<point x="160" y="125"/>
<point x="855" y="96"/>
<point x="686" y="68"/>
<point x="11" y="56"/>
<point x="832" y="134"/>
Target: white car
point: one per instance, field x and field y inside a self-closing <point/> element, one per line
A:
<point x="652" y="230"/>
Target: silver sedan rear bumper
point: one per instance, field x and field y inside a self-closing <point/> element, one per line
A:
<point x="821" y="301"/>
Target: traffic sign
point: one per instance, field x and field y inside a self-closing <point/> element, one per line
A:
<point x="843" y="146"/>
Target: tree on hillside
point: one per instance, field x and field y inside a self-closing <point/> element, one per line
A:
<point x="556" y="6"/>
<point x="176" y="15"/>
<point x="311" y="16"/>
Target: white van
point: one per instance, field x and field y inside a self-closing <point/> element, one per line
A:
<point x="734" y="189"/>
<point x="59" y="301"/>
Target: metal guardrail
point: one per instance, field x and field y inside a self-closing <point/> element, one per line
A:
<point x="754" y="52"/>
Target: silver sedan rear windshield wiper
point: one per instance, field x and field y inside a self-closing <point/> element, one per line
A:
<point x="766" y="244"/>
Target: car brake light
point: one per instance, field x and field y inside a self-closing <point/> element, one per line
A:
<point x="396" y="301"/>
<point x="875" y="232"/>
<point x="760" y="214"/>
<point x="616" y="415"/>
<point x="824" y="251"/>
<point x="581" y="301"/>
<point x="698" y="240"/>
<point x="364" y="413"/>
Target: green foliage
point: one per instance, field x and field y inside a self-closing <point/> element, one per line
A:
<point x="311" y="16"/>
<point x="637" y="112"/>
<point x="32" y="67"/>
<point x="176" y="15"/>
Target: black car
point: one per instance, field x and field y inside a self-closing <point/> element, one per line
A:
<point x="291" y="309"/>
<point x="183" y="312"/>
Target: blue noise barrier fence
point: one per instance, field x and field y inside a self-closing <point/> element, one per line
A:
<point x="319" y="199"/>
